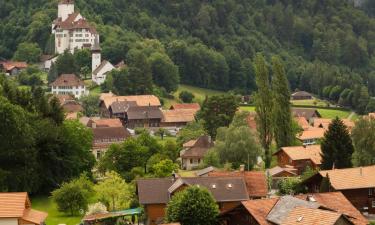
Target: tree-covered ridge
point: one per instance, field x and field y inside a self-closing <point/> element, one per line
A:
<point x="327" y="46"/>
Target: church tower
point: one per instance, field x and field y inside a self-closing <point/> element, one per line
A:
<point x="65" y="8"/>
<point x="96" y="54"/>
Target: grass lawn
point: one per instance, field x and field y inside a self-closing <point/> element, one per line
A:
<point x="309" y="102"/>
<point x="187" y="173"/>
<point x="96" y="90"/>
<point x="248" y="108"/>
<point x="54" y="217"/>
<point x="332" y="113"/>
<point x="199" y="93"/>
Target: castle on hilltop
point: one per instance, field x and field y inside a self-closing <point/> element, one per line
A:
<point x="72" y="31"/>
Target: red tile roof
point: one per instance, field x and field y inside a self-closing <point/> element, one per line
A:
<point x="9" y="65"/>
<point x="179" y="115"/>
<point x="259" y="209"/>
<point x="105" y="122"/>
<point x="312" y="152"/>
<point x="195" y="106"/>
<point x="309" y="216"/>
<point x="255" y="181"/>
<point x="68" y="80"/>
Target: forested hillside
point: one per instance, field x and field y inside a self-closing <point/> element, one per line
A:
<point x="328" y="46"/>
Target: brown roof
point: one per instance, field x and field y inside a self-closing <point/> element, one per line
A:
<point x="71" y="23"/>
<point x="311" y="133"/>
<point x="122" y="106"/>
<point x="144" y="112"/>
<point x="255" y="181"/>
<point x="336" y="201"/>
<point x="17" y="205"/>
<point x="195" y="106"/>
<point x="109" y="133"/>
<point x="9" y="65"/>
<point x="223" y="189"/>
<point x="351" y="178"/>
<point x="304" y="112"/>
<point x="309" y="216"/>
<point x="68" y="80"/>
<point x="324" y="123"/>
<point x="312" y="152"/>
<point x="277" y="170"/>
<point x="302" y="122"/>
<point x="72" y="107"/>
<point x="199" y="149"/>
<point x="141" y="100"/>
<point x="189" y="144"/>
<point x="179" y="115"/>
<point x="105" y="122"/>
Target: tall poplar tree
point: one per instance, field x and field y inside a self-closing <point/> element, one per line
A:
<point x="282" y="117"/>
<point x="263" y="106"/>
<point x="337" y="147"/>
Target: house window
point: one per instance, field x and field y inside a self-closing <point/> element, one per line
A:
<point x="373" y="204"/>
<point x="371" y="191"/>
<point x="191" y="161"/>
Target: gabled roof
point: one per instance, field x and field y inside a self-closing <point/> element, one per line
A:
<point x="144" y="112"/>
<point x="105" y="122"/>
<point x="141" y="100"/>
<point x="195" y="106"/>
<point x="285" y="205"/>
<point x="223" y="189"/>
<point x="351" y="178"/>
<point x="302" y="122"/>
<point x="301" y="94"/>
<point x="9" y="65"/>
<point x="179" y="115"/>
<point x="122" y="106"/>
<point x="312" y="152"/>
<point x="101" y="66"/>
<point x="277" y="170"/>
<point x="189" y="144"/>
<point x="205" y="171"/>
<point x="333" y="201"/>
<point x="310" y="216"/>
<point x="304" y="112"/>
<point x="311" y="133"/>
<point x="255" y="181"/>
<point x="68" y="80"/>
<point x="109" y="133"/>
<point x="324" y="123"/>
<point x="18" y="205"/>
<point x="199" y="148"/>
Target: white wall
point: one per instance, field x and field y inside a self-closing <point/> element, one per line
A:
<point x="8" y="221"/>
<point x="64" y="10"/>
<point x="100" y="77"/>
<point x="76" y="91"/>
<point x="96" y="60"/>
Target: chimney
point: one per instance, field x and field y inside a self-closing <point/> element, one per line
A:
<point x="242" y="168"/>
<point x="93" y="125"/>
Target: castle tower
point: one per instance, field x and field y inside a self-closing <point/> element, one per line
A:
<point x="96" y="54"/>
<point x="65" y="8"/>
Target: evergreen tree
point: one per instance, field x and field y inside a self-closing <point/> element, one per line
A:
<point x="263" y="106"/>
<point x="140" y="75"/>
<point x="337" y="147"/>
<point x="66" y="64"/>
<point x="282" y="116"/>
<point x="52" y="73"/>
<point x="56" y="111"/>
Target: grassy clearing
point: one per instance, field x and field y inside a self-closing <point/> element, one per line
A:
<point x="332" y="113"/>
<point x="46" y="204"/>
<point x="199" y="93"/>
<point x="310" y="102"/>
<point x="248" y="108"/>
<point x="187" y="173"/>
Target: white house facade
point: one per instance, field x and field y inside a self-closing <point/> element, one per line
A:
<point x="100" y="73"/>
<point x="69" y="84"/>
<point x="72" y="31"/>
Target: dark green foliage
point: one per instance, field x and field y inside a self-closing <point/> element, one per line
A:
<point x="186" y="96"/>
<point x="52" y="73"/>
<point x="325" y="185"/>
<point x="282" y="115"/>
<point x="337" y="147"/>
<point x="263" y="107"/>
<point x="90" y="104"/>
<point x="191" y="131"/>
<point x="290" y="186"/>
<point x="66" y="64"/>
<point x="193" y="201"/>
<point x="28" y="52"/>
<point x="218" y="111"/>
<point x="363" y="135"/>
<point x="164" y="72"/>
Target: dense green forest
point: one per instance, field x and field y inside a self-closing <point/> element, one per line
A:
<point x="327" y="46"/>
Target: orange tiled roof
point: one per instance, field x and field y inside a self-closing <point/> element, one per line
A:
<point x="351" y="178"/>
<point x="311" y="133"/>
<point x="141" y="100"/>
<point x="179" y="115"/>
<point x="259" y="209"/>
<point x="312" y="152"/>
<point x="338" y="202"/>
<point x="68" y="80"/>
<point x="302" y="122"/>
<point x="324" y="123"/>
<point x="9" y="65"/>
<point x="34" y="216"/>
<point x="189" y="144"/>
<point x="255" y="181"/>
<point x="105" y="122"/>
<point x="309" y="216"/>
<point x="195" y="106"/>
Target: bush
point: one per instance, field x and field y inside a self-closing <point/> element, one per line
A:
<point x="290" y="185"/>
<point x="186" y="96"/>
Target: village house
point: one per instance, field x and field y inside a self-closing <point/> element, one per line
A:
<point x="70" y="106"/>
<point x="46" y="61"/>
<point x="106" y="132"/>
<point x="256" y="182"/>
<point x="326" y="208"/>
<point x="12" y="68"/>
<point x="324" y="123"/>
<point x="69" y="84"/>
<point x="179" y="115"/>
<point x="193" y="152"/>
<point x="309" y="114"/>
<point x="155" y="193"/>
<point x="311" y="135"/>
<point x="357" y="184"/>
<point x="301" y="95"/>
<point x="299" y="157"/>
<point x="15" y="209"/>
<point x="180" y="106"/>
<point x="72" y="31"/>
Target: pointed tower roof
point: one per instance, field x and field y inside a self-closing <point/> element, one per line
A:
<point x="96" y="46"/>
